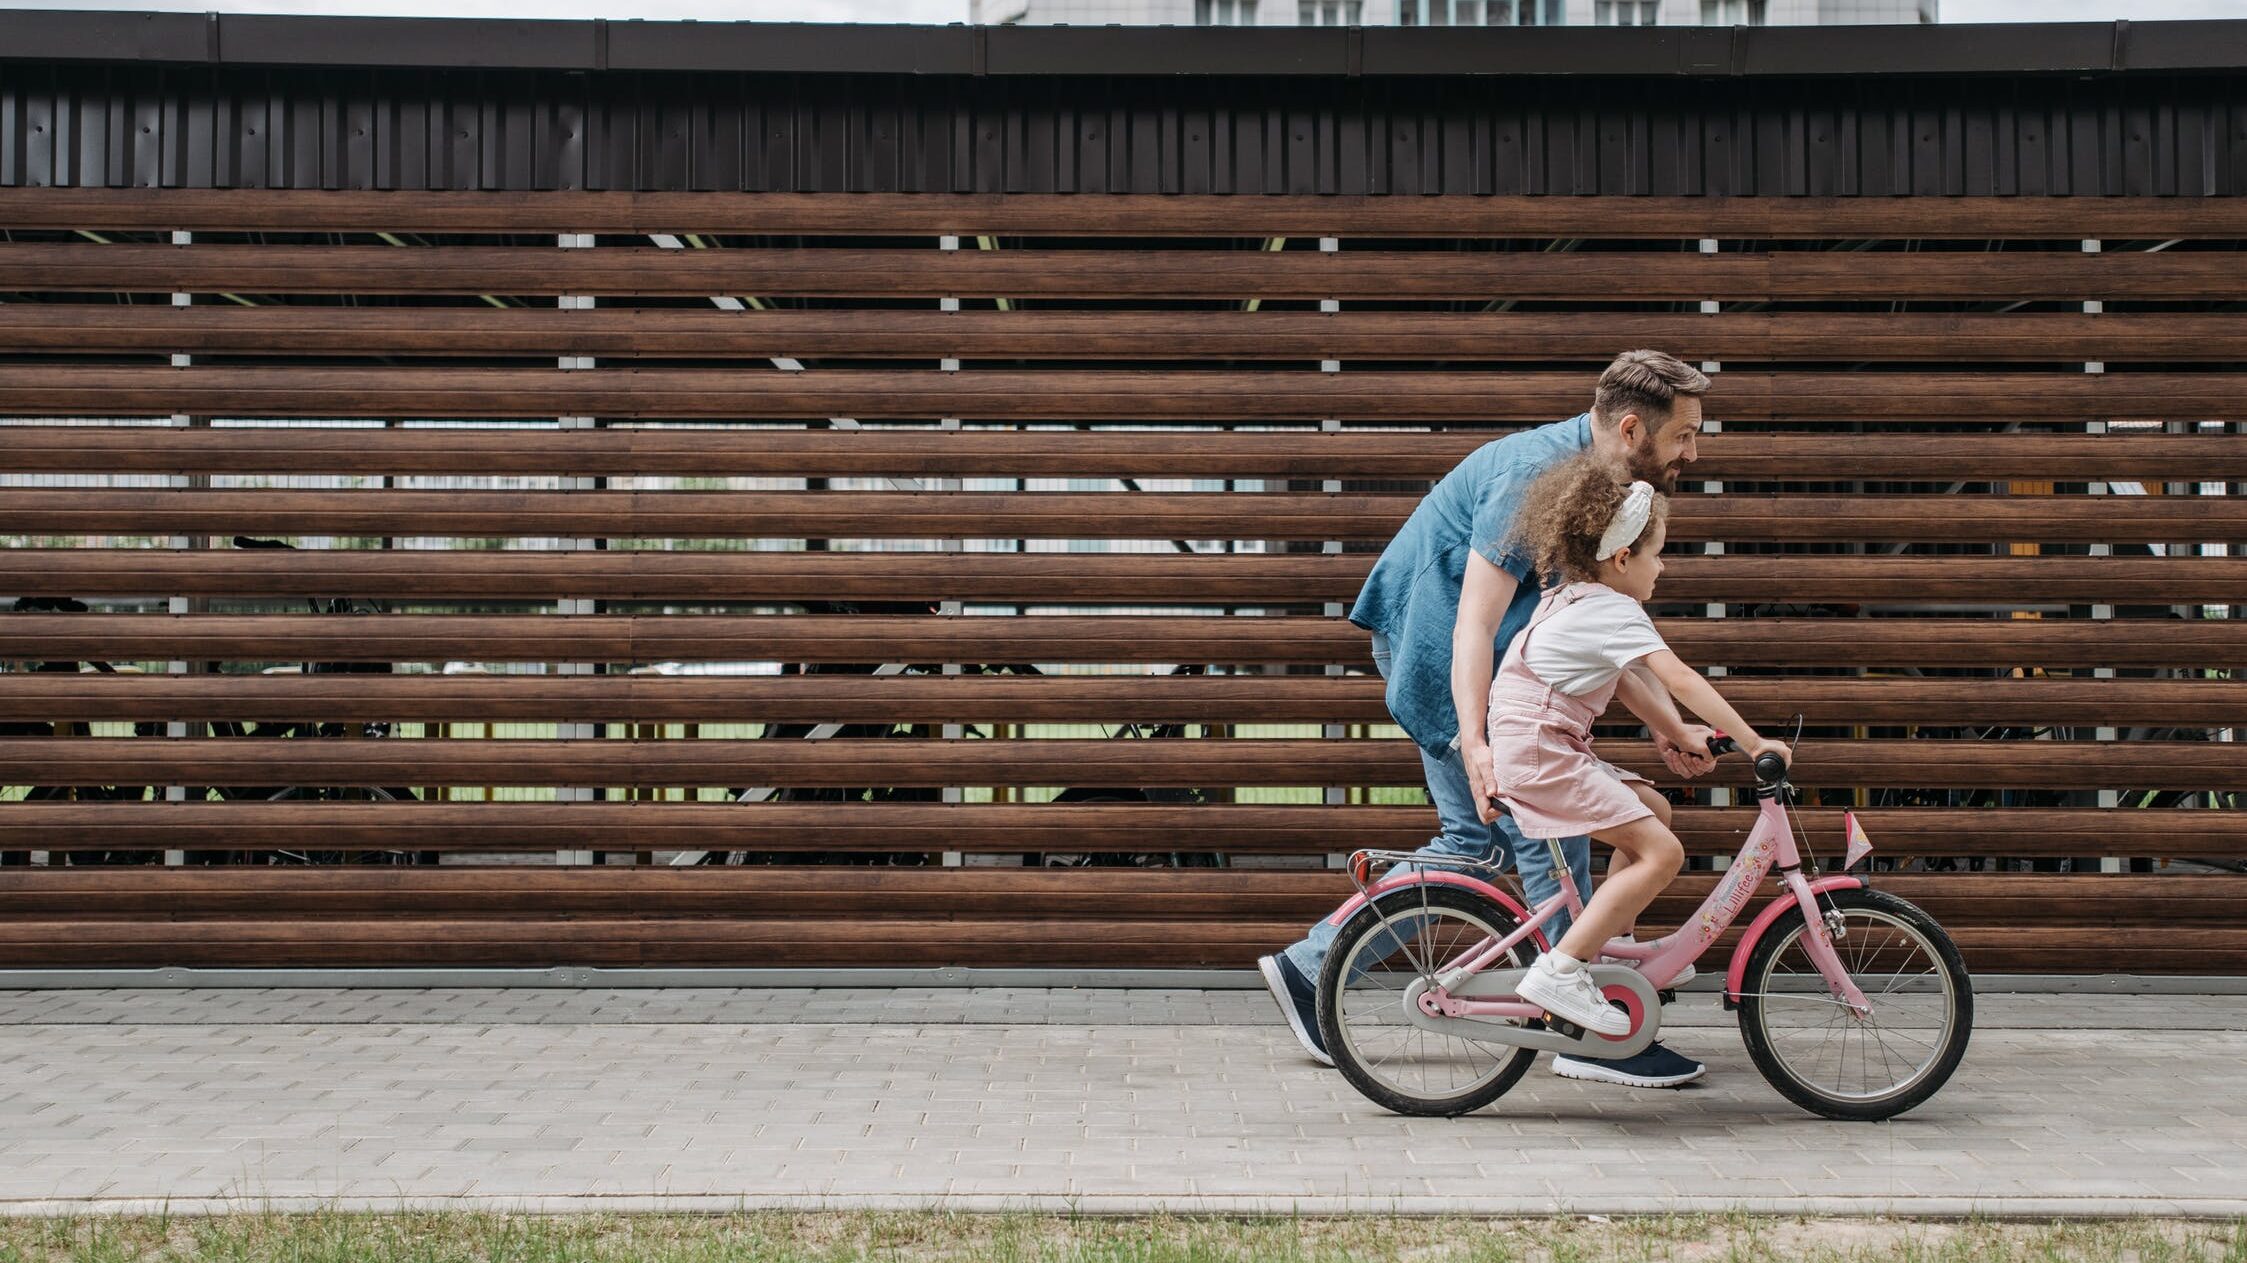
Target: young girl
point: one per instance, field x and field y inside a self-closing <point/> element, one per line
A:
<point x="1585" y="521"/>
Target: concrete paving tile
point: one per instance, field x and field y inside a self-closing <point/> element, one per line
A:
<point x="1012" y="1092"/>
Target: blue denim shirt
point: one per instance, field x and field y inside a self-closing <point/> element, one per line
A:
<point x="1412" y="596"/>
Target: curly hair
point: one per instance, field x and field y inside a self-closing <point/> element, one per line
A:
<point x="1567" y="509"/>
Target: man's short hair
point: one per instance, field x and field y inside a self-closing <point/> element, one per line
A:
<point x="1647" y="383"/>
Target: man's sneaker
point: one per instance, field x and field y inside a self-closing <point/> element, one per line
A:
<point x="1298" y="1000"/>
<point x="1656" y="1067"/>
<point x="1573" y="997"/>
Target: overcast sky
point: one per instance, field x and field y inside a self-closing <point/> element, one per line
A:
<point x="956" y="10"/>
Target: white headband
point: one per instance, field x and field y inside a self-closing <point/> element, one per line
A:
<point x="1629" y="522"/>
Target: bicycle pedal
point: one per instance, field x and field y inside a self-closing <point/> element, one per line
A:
<point x="1563" y="1027"/>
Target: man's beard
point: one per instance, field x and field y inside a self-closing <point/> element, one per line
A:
<point x="1641" y="463"/>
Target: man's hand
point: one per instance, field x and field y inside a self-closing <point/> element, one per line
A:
<point x="1689" y="758"/>
<point x="1476" y="755"/>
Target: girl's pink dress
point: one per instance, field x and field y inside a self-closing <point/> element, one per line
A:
<point x="1541" y="746"/>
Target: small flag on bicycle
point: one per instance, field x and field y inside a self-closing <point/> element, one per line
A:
<point x="1860" y="846"/>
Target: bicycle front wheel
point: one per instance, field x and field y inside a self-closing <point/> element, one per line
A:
<point x="1823" y="1057"/>
<point x="1386" y="946"/>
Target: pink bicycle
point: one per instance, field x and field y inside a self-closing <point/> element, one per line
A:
<point x="1852" y="1002"/>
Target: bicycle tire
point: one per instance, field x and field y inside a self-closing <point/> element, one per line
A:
<point x="1342" y="1044"/>
<point x="1871" y="908"/>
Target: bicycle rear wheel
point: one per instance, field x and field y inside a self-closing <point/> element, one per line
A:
<point x="1821" y="1056"/>
<point x="1385" y="947"/>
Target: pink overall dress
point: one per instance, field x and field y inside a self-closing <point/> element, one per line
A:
<point x="1541" y="745"/>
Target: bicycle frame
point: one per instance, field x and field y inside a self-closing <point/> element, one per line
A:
<point x="1770" y="844"/>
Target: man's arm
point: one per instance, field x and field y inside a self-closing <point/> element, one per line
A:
<point x="1483" y="598"/>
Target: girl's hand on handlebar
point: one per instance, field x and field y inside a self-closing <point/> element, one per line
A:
<point x="1767" y="746"/>
<point x="1690" y="756"/>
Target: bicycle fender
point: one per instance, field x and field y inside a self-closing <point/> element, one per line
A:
<point x="1772" y="911"/>
<point x="1444" y="877"/>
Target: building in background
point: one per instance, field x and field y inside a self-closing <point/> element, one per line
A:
<point x="1450" y="12"/>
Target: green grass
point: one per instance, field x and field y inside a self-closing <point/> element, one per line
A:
<point x="322" y="1237"/>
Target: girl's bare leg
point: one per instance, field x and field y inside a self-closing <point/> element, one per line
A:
<point x="1647" y="856"/>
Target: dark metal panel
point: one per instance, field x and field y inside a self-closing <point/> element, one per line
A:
<point x="880" y="126"/>
<point x="1428" y="53"/>
<point x="2195" y="156"/>
<point x="1613" y="152"/>
<point x="1509" y="138"/>
<point x="1102" y="51"/>
<point x="1195" y="147"/>
<point x="302" y="136"/>
<point x="788" y="47"/>
<point x="2188" y="45"/>
<point x="2139" y="162"/>
<point x="51" y="35"/>
<point x="361" y="41"/>
<point x="613" y="139"/>
<point x="2034" y="150"/>
<point x="1821" y="149"/>
<point x="356" y="118"/>
<point x="1977" y="125"/>
<point x="2231" y="176"/>
<point x="1953" y="49"/>
<point x="670" y="149"/>
<point x="1932" y="136"/>
<point x="38" y="139"/>
<point x="1505" y="50"/>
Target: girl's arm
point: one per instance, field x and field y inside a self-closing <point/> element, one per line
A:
<point x="1643" y="694"/>
<point x="1702" y="699"/>
<point x="1683" y="746"/>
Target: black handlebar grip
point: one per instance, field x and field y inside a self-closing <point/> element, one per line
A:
<point x="1769" y="768"/>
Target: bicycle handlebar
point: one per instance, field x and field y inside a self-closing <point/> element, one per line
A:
<point x="1769" y="768"/>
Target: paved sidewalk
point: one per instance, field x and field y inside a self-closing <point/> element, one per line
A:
<point x="983" y="1098"/>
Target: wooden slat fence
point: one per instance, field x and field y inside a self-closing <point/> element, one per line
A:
<point x="1978" y="523"/>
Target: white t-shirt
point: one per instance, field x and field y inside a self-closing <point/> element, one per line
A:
<point x="1581" y="648"/>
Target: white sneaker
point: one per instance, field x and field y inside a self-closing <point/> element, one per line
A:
<point x="1573" y="997"/>
<point x="1684" y="977"/>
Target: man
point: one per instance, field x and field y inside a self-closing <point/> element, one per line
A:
<point x="1443" y="602"/>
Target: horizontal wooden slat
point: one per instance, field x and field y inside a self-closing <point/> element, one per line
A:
<point x="1378" y="275"/>
<point x="89" y="696"/>
<point x="989" y="828"/>
<point x="1126" y="215"/>
<point x="1071" y="515"/>
<point x="1915" y="642"/>
<point x="702" y="453"/>
<point x="1010" y="941"/>
<point x="673" y="333"/>
<point x="129" y="893"/>
<point x="1051" y="578"/>
<point x="1080" y="395"/>
<point x="2187" y="765"/>
<point x="773" y="942"/>
<point x="923" y="918"/>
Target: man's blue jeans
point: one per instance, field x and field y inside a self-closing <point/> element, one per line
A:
<point x="1464" y="834"/>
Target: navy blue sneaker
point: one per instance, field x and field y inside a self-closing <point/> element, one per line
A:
<point x="1298" y="1000"/>
<point x="1656" y="1067"/>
